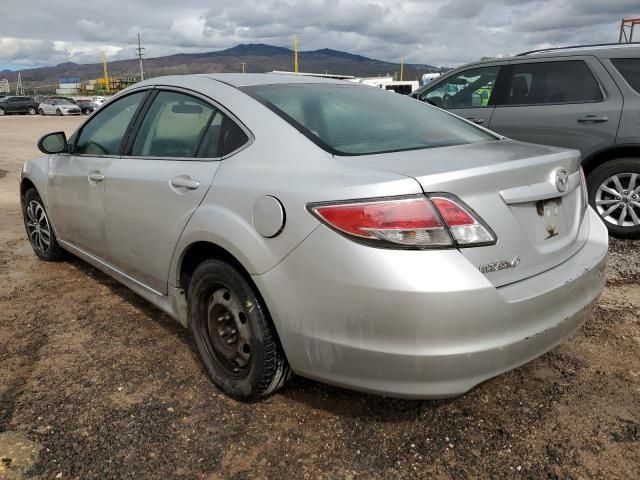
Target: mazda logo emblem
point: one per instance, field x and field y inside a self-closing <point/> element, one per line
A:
<point x="562" y="180"/>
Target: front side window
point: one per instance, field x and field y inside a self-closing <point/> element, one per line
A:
<point x="174" y="126"/>
<point x="629" y="68"/>
<point x="103" y="134"/>
<point x="361" y="120"/>
<point x="469" y="89"/>
<point x="553" y="82"/>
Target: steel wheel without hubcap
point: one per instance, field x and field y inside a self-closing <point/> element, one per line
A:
<point x="618" y="200"/>
<point x="228" y="332"/>
<point x="38" y="227"/>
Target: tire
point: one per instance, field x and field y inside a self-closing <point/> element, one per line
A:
<point x="41" y="112"/>
<point x="234" y="333"/>
<point x="614" y="192"/>
<point x="34" y="213"/>
<point x="31" y="111"/>
<point x="2" y="112"/>
<point x="86" y="111"/>
<point x="58" y="112"/>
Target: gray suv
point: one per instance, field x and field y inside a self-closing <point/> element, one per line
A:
<point x="585" y="97"/>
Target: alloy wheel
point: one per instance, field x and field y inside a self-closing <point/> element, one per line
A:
<point x="38" y="227"/>
<point x="228" y="332"/>
<point x="618" y="199"/>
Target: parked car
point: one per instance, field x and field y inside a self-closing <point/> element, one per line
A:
<point x="577" y="97"/>
<point x="326" y="228"/>
<point x="18" y="104"/>
<point x="58" y="107"/>
<point x="87" y="106"/>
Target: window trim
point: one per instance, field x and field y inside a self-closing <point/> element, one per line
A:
<point x="509" y="81"/>
<point x="491" y="103"/>
<point x="192" y="93"/>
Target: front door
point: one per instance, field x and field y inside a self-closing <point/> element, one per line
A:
<point x="153" y="190"/>
<point x="468" y="94"/>
<point x="77" y="182"/>
<point x="569" y="102"/>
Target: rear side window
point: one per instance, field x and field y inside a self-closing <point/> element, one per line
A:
<point x="469" y="89"/>
<point x="553" y="82"/>
<point x="173" y="126"/>
<point x="360" y="120"/>
<point x="629" y="68"/>
<point x="103" y="134"/>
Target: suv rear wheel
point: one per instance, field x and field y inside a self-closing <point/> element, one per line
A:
<point x="234" y="334"/>
<point x="614" y="192"/>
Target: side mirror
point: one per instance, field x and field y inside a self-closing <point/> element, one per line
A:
<point x="53" y="143"/>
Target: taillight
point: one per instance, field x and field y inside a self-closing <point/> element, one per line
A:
<point x="410" y="222"/>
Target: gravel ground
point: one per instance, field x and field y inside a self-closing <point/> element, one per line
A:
<point x="95" y="383"/>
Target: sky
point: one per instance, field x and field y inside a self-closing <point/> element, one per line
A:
<point x="439" y="32"/>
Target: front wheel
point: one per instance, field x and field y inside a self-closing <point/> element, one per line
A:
<point x="59" y="113"/>
<point x="234" y="334"/>
<point x="614" y="192"/>
<point x="41" y="112"/>
<point x="2" y="112"/>
<point x="31" y="111"/>
<point x="39" y="230"/>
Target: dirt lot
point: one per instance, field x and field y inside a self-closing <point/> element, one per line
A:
<point x="96" y="383"/>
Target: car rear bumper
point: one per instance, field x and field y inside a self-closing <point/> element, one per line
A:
<point x="421" y="324"/>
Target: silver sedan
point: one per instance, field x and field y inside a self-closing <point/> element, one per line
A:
<point x="307" y="225"/>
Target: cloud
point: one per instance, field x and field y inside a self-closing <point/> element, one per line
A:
<point x="440" y="32"/>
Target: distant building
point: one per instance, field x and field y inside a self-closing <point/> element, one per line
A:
<point x="68" y="86"/>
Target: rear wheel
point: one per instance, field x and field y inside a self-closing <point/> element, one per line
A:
<point x="41" y="235"/>
<point x="234" y="334"/>
<point x="614" y="192"/>
<point x="2" y="112"/>
<point x="31" y="111"/>
<point x="58" y="112"/>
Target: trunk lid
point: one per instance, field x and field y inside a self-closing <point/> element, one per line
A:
<point x="530" y="195"/>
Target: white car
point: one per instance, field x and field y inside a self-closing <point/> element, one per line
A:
<point x="56" y="106"/>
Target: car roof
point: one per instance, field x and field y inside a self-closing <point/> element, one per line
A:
<point x="252" y="79"/>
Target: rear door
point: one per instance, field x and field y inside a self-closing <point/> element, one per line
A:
<point x="468" y="94"/>
<point x="154" y="189"/>
<point x="566" y="102"/>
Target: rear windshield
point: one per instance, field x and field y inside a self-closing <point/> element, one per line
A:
<point x="361" y="120"/>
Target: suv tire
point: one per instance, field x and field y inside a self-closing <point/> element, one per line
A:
<point x="614" y="192"/>
<point x="234" y="333"/>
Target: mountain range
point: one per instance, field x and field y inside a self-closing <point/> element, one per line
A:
<point x="257" y="58"/>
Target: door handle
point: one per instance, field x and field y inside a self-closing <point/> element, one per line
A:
<point x="184" y="182"/>
<point x="592" y="119"/>
<point x="96" y="177"/>
<point x="478" y="121"/>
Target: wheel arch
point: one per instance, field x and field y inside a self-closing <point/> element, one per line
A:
<point x="197" y="252"/>
<point x="25" y="185"/>
<point x="590" y="163"/>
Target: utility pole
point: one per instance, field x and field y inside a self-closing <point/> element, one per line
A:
<point x="295" y="52"/>
<point x="106" y="73"/>
<point x="243" y="65"/>
<point x="401" y="68"/>
<point x="140" y="52"/>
